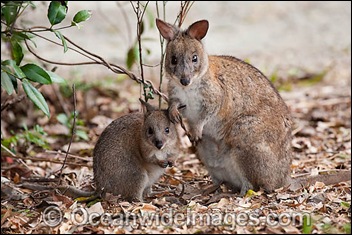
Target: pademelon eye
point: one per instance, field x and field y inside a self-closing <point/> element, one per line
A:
<point x="194" y="58"/>
<point x="167" y="130"/>
<point x="173" y="60"/>
<point x="150" y="131"/>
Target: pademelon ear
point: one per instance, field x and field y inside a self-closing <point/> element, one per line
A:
<point x="198" y="29"/>
<point x="148" y="106"/>
<point x="166" y="30"/>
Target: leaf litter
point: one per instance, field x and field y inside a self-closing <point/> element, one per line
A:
<point x="178" y="204"/>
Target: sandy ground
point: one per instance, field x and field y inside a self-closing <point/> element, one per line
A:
<point x="286" y="37"/>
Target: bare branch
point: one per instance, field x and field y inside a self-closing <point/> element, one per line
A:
<point x="97" y="60"/>
<point x="15" y="100"/>
<point x="139" y="26"/>
<point x="184" y="9"/>
<point x="162" y="52"/>
<point x="40" y="159"/>
<point x="73" y="129"/>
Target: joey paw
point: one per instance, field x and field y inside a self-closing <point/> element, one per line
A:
<point x="170" y="163"/>
<point x="163" y="164"/>
<point x="174" y="114"/>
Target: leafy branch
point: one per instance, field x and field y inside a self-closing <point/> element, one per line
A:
<point x="96" y="59"/>
<point x="12" y="70"/>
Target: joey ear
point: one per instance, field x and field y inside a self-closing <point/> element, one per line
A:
<point x="166" y="30"/>
<point x="198" y="29"/>
<point x="147" y="105"/>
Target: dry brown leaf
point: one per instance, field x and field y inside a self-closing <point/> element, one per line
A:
<point x="145" y="208"/>
<point x="77" y="147"/>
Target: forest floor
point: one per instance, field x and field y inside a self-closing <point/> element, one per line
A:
<point x="310" y="64"/>
<point x="321" y="143"/>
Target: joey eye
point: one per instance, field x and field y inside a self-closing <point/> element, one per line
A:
<point x="150" y="131"/>
<point x="167" y="130"/>
<point x="173" y="60"/>
<point x="194" y="58"/>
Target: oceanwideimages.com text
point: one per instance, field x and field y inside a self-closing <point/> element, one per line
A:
<point x="52" y="216"/>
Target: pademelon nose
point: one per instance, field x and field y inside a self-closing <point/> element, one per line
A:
<point x="158" y="144"/>
<point x="185" y="81"/>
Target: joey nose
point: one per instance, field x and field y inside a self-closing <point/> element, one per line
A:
<point x="158" y="144"/>
<point x="185" y="81"/>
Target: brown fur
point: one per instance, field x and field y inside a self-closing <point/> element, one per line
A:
<point x="240" y="123"/>
<point x="127" y="160"/>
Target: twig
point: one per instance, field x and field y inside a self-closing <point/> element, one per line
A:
<point x="173" y="177"/>
<point x="71" y="48"/>
<point x="162" y="52"/>
<point x="332" y="171"/>
<point x="73" y="129"/>
<point x="114" y="68"/>
<point x="14" y="22"/>
<point x="71" y="155"/>
<point x="8" y="150"/>
<point x="139" y="14"/>
<point x="182" y="183"/>
<point x="185" y="7"/>
<point x="14" y="156"/>
<point x="18" y="99"/>
<point x="139" y="27"/>
<point x="46" y="160"/>
<point x="39" y="179"/>
<point x="12" y="101"/>
<point x="38" y="29"/>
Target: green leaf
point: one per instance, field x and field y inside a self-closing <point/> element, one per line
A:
<point x="307" y="224"/>
<point x="16" y="51"/>
<point x="5" y="68"/>
<point x="6" y="83"/>
<point x="14" y="81"/>
<point x="36" y="74"/>
<point x="82" y="16"/>
<point x="36" y="138"/>
<point x="75" y="24"/>
<point x="18" y="72"/>
<point x="347" y="228"/>
<point x="62" y="118"/>
<point x="36" y="97"/>
<point x="82" y="134"/>
<point x="19" y="36"/>
<point x="11" y="69"/>
<point x="10" y="12"/>
<point x="132" y="56"/>
<point x="56" y="12"/>
<point x="150" y="95"/>
<point x="345" y="205"/>
<point x="32" y="4"/>
<point x="56" y="78"/>
<point x="63" y="40"/>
